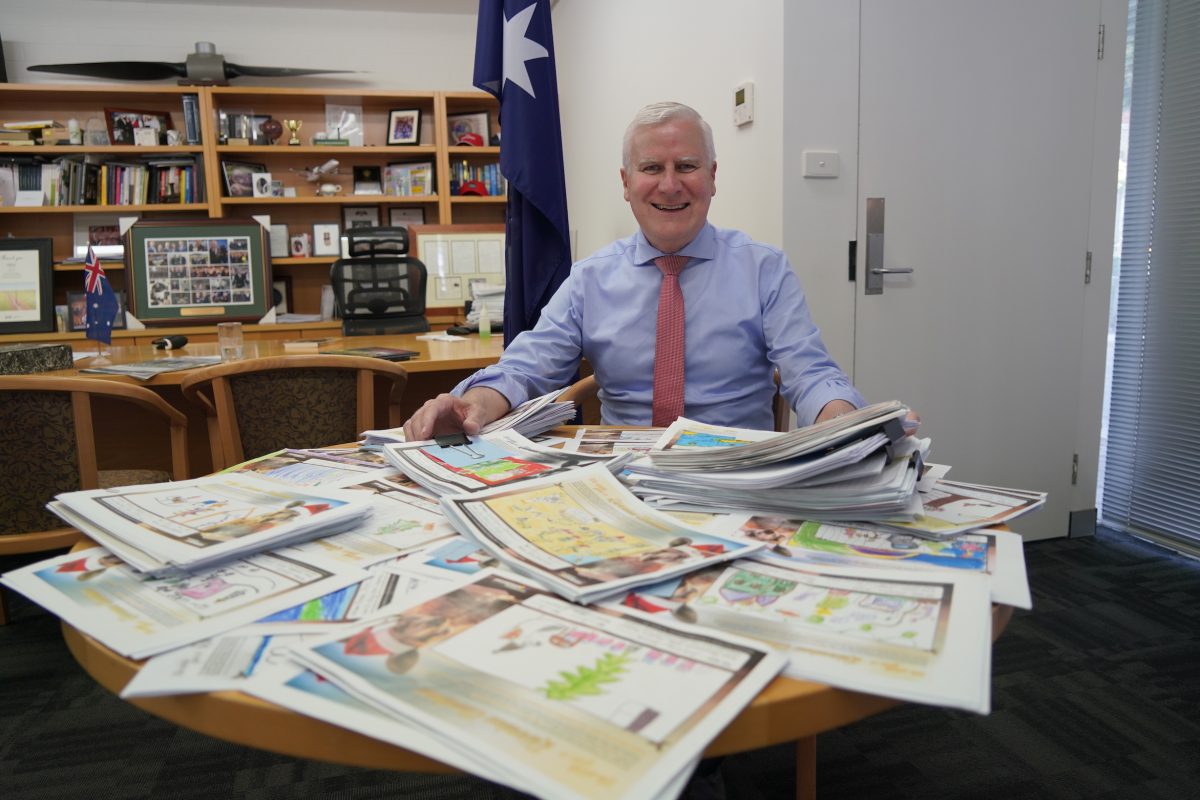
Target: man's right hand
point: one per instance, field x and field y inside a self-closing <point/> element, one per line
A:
<point x="446" y="414"/>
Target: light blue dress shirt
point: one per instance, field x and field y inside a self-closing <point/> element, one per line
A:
<point x="745" y="316"/>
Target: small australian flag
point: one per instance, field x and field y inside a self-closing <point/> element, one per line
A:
<point x="102" y="306"/>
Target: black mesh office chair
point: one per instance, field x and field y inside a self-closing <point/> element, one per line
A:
<point x="379" y="288"/>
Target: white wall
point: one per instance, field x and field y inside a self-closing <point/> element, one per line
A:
<point x="393" y="50"/>
<point x="616" y="56"/>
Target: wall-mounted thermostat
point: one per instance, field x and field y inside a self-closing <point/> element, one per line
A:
<point x="743" y="104"/>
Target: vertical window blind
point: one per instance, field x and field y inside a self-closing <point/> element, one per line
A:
<point x="1152" y="462"/>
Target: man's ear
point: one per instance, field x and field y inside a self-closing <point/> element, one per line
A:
<point x="625" y="184"/>
<point x="714" y="177"/>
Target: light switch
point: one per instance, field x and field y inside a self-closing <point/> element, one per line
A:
<point x="821" y="164"/>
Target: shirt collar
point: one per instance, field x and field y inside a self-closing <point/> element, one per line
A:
<point x="704" y="247"/>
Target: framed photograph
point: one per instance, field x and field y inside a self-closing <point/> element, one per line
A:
<point x="368" y="180"/>
<point x="243" y="125"/>
<point x="464" y="127"/>
<point x="454" y="256"/>
<point x="26" y="271"/>
<point x="200" y="271"/>
<point x="360" y="217"/>
<point x="239" y="177"/>
<point x="327" y="238"/>
<point x="124" y="123"/>
<point x="404" y="126"/>
<point x="400" y="217"/>
<point x="261" y="184"/>
<point x="77" y="311"/>
<point x="281" y="293"/>
<point x="344" y="122"/>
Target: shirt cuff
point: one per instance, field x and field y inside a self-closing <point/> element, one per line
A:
<point x="819" y="396"/>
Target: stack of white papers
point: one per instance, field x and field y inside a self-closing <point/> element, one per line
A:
<point x="859" y="466"/>
<point x="528" y="419"/>
<point x="547" y="696"/>
<point x="919" y="636"/>
<point x="486" y="461"/>
<point x="584" y="535"/>
<point x="169" y="529"/>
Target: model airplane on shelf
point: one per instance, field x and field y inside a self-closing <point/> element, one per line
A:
<point x="203" y="67"/>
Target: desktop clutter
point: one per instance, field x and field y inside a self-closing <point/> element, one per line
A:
<point x="574" y="615"/>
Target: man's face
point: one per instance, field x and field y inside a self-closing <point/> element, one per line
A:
<point x="669" y="183"/>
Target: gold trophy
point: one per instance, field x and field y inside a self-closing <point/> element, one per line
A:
<point x="294" y="126"/>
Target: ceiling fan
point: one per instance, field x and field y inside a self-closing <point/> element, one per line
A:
<point x="205" y="67"/>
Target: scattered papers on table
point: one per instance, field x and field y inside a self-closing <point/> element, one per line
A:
<point x="173" y="528"/>
<point x="911" y="635"/>
<point x="564" y="701"/>
<point x="137" y="617"/>
<point x="584" y="535"/>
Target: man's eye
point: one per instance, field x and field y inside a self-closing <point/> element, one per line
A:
<point x="652" y="169"/>
<point x="685" y="168"/>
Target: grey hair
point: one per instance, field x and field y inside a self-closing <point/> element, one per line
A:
<point x="659" y="113"/>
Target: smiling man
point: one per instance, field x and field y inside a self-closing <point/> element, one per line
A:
<point x="681" y="318"/>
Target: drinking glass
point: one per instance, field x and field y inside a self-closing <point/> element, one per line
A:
<point x="229" y="338"/>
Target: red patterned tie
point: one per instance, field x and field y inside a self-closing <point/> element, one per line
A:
<point x="669" y="344"/>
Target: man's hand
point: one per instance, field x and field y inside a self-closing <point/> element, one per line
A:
<point x="449" y="414"/>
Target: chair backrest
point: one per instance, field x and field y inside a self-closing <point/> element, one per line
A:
<point x="379" y="293"/>
<point x="584" y="393"/>
<point x="376" y="241"/>
<point x="261" y="405"/>
<point x="48" y="446"/>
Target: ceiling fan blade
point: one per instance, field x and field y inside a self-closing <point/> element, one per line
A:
<point x="117" y="70"/>
<point x="238" y="70"/>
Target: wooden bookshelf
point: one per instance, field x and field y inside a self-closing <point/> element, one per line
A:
<point x="19" y="102"/>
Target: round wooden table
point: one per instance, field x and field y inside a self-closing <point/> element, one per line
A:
<point x="786" y="710"/>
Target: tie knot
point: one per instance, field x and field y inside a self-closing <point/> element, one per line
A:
<point x="671" y="265"/>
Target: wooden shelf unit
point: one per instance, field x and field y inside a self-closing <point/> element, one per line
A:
<point x="19" y="102"/>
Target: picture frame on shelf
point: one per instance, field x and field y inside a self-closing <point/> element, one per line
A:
<point x="77" y="312"/>
<point x="261" y="184"/>
<point x="123" y="124"/>
<point x="368" y="179"/>
<point x="242" y="127"/>
<point x="400" y="217"/>
<point x="27" y="271"/>
<point x="327" y="239"/>
<point x="408" y="179"/>
<point x="344" y="122"/>
<point x="281" y="293"/>
<point x="239" y="177"/>
<point x="463" y="128"/>
<point x="198" y="271"/>
<point x="360" y="217"/>
<point x="404" y="126"/>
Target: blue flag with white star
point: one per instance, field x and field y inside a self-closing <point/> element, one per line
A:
<point x="514" y="60"/>
<point x="102" y="303"/>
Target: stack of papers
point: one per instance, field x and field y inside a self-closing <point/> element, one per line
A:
<point x="167" y="529"/>
<point x="145" y="370"/>
<point x="859" y="466"/>
<point x="919" y="636"/>
<point x="532" y="417"/>
<point x="487" y="461"/>
<point x="546" y="696"/>
<point x="584" y="535"/>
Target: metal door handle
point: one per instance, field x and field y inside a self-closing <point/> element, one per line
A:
<point x="875" y="268"/>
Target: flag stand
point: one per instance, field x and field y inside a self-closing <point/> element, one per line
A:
<point x="100" y="360"/>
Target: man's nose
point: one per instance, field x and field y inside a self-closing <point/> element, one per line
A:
<point x="669" y="181"/>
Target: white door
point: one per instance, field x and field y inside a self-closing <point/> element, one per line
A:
<point x="976" y="129"/>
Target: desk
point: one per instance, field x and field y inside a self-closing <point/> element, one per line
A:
<point x="437" y="369"/>
<point x="786" y="710"/>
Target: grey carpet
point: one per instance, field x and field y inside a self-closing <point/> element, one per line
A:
<point x="1095" y="694"/>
